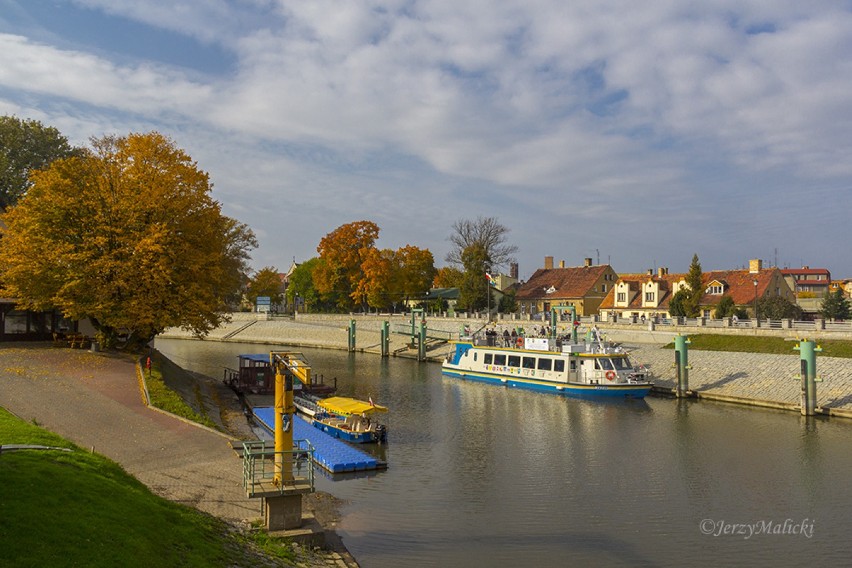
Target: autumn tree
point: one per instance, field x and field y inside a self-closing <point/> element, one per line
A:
<point x="378" y="286"/>
<point x="266" y="282"/>
<point x="128" y="236"/>
<point x="448" y="277"/>
<point x="26" y="146"/>
<point x="341" y="255"/>
<point x="416" y="271"/>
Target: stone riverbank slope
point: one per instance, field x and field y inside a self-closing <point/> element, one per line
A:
<point x="747" y="378"/>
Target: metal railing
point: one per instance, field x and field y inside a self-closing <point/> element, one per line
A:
<point x="259" y="469"/>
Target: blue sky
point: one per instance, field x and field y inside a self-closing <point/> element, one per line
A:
<point x="636" y="134"/>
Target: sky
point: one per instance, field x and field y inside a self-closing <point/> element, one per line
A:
<point x="636" y="134"/>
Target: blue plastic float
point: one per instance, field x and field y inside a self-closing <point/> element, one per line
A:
<point x="329" y="452"/>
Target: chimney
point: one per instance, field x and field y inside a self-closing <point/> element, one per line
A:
<point x="548" y="262"/>
<point x="662" y="271"/>
<point x="587" y="262"/>
<point x="650" y="272"/>
<point x="561" y="264"/>
<point x="755" y="266"/>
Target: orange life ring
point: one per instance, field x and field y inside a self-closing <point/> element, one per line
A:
<point x="610" y="375"/>
<point x="520" y="342"/>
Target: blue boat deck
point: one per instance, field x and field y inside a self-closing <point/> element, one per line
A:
<point x="330" y="453"/>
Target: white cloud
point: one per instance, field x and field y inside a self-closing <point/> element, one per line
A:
<point x="373" y="106"/>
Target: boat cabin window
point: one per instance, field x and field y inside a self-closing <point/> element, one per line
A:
<point x="545" y="364"/>
<point x="529" y="363"/>
<point x="487" y="359"/>
<point x="514" y="360"/>
<point x="620" y="363"/>
<point x="559" y="365"/>
<point x="499" y="359"/>
<point x="573" y="365"/>
<point x="604" y="364"/>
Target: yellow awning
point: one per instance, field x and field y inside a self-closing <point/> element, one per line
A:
<point x="347" y="406"/>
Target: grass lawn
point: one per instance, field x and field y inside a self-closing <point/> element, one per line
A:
<point x="76" y="508"/>
<point x="758" y="344"/>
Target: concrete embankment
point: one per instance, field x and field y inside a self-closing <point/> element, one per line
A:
<point x="746" y="378"/>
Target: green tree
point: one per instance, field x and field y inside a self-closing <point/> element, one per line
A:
<point x="300" y="291"/>
<point x="127" y="236"/>
<point x="676" y="304"/>
<point x="342" y="254"/>
<point x="266" y="282"/>
<point x="725" y="307"/>
<point x="694" y="279"/>
<point x="776" y="307"/>
<point x="26" y="146"/>
<point x="473" y="289"/>
<point x="508" y="304"/>
<point x="835" y="305"/>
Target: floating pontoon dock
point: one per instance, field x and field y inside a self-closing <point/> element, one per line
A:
<point x="329" y="452"/>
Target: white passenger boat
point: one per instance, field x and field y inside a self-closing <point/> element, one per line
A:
<point x="587" y="369"/>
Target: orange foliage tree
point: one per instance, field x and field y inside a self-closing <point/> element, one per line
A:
<point x="342" y="253"/>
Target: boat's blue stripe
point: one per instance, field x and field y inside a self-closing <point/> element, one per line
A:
<point x="620" y="390"/>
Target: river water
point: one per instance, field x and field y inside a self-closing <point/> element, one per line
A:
<point x="483" y="476"/>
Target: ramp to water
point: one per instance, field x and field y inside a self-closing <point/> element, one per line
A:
<point x="329" y="452"/>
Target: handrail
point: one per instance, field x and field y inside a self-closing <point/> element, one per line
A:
<point x="259" y="468"/>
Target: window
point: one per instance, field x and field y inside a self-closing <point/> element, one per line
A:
<point x="717" y="289"/>
<point x="488" y="358"/>
<point x="514" y="361"/>
<point x="529" y="363"/>
<point x="500" y="360"/>
<point x="622" y="297"/>
<point x="573" y="365"/>
<point x="649" y="296"/>
<point x="559" y="365"/>
<point x="545" y="364"/>
<point x="603" y="287"/>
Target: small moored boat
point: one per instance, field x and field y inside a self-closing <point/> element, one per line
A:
<point x="349" y="419"/>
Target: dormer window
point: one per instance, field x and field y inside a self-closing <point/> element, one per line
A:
<point x="716" y="289"/>
<point x="550" y="290"/>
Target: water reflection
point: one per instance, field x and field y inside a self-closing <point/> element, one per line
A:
<point x="480" y="475"/>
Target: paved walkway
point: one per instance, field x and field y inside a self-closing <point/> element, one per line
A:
<point x="94" y="400"/>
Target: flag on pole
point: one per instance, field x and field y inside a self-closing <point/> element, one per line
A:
<point x="490" y="279"/>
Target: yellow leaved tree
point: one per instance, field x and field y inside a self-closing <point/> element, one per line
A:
<point x="128" y="236"/>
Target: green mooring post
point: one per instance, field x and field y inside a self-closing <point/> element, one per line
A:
<point x="351" y="335"/>
<point x="682" y="364"/>
<point x="807" y="354"/>
<point x="385" y="339"/>
<point x="553" y="321"/>
<point x="421" y="344"/>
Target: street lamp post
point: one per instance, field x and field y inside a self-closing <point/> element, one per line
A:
<point x="756" y="320"/>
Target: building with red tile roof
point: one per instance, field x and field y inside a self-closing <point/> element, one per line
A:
<point x="649" y="294"/>
<point x="583" y="287"/>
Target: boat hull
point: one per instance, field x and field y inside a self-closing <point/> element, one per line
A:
<point x="576" y="390"/>
<point x="346" y="435"/>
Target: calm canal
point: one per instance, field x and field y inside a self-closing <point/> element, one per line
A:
<point x="482" y="476"/>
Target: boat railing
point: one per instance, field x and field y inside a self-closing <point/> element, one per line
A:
<point x="262" y="468"/>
